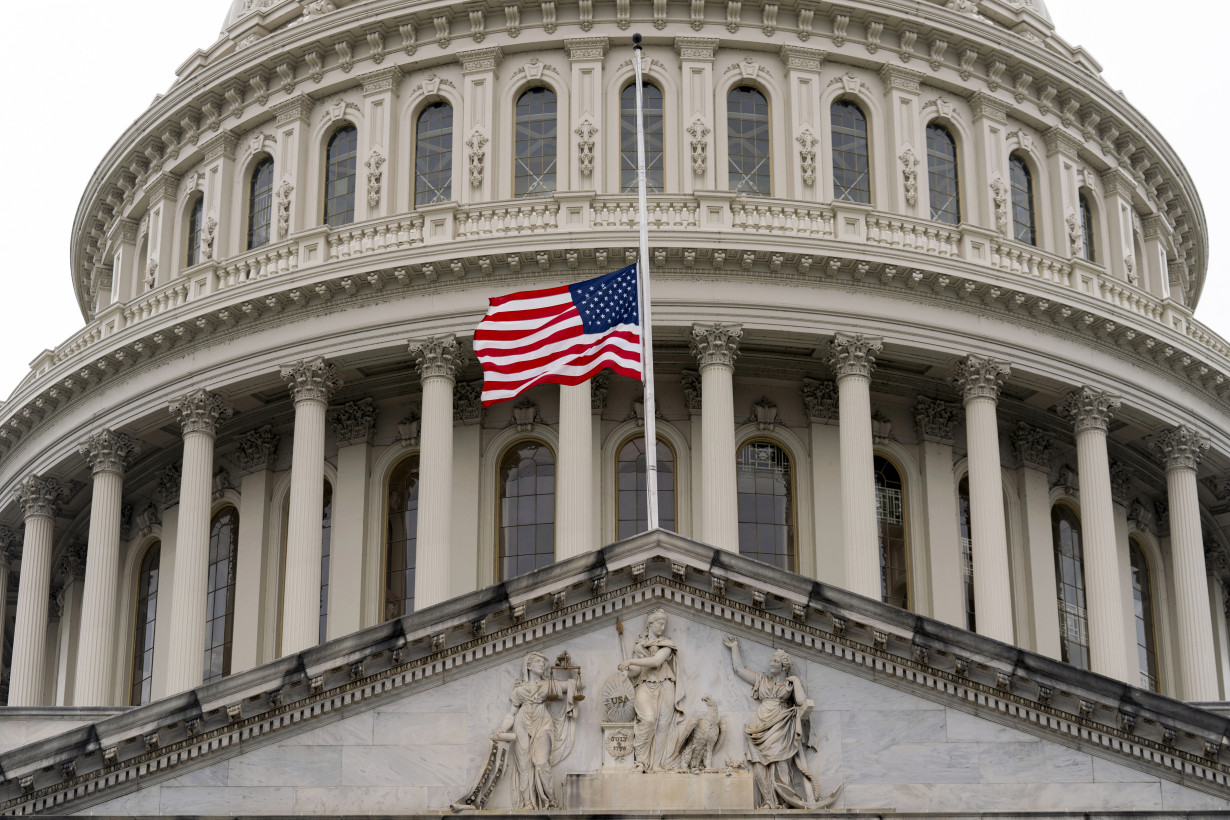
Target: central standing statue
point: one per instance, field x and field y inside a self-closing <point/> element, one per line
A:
<point x="654" y="670"/>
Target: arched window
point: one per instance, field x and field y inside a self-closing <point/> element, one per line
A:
<point x="143" y="626"/>
<point x="220" y="593"/>
<point x="1087" y="228"/>
<point x="747" y="140"/>
<point x="890" y="517"/>
<point x="1146" y="635"/>
<point x="527" y="509"/>
<point x="340" y="156"/>
<point x="654" y="174"/>
<point x="942" y="175"/>
<point x="260" y="203"/>
<point x="433" y="155"/>
<point x="1024" y="225"/>
<point x="535" y="150"/>
<point x="1070" y="579"/>
<point x="766" y="504"/>
<point x="851" y="153"/>
<point x="631" y="497"/>
<point x="193" y="238"/>
<point x="967" y="550"/>
<point x="401" y="538"/>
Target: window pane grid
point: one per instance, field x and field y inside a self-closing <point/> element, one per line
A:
<point x="632" y="498"/>
<point x="1022" y="185"/>
<point x="401" y="536"/>
<point x="765" y="499"/>
<point x="851" y="153"/>
<point x="942" y="175"/>
<point x="220" y="593"/>
<point x="1146" y="644"/>
<point x="654" y="173"/>
<point x="194" y="232"/>
<point x="1070" y="579"/>
<point x="260" y="203"/>
<point x="433" y="155"/>
<point x="527" y="509"/>
<point x="143" y="627"/>
<point x="535" y="148"/>
<point x="340" y="157"/>
<point x="890" y="518"/>
<point x="747" y="126"/>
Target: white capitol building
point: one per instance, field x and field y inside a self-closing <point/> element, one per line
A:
<point x="934" y="416"/>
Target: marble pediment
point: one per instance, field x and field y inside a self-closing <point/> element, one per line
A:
<point x="895" y="712"/>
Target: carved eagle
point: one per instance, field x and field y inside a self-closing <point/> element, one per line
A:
<point x="699" y="737"/>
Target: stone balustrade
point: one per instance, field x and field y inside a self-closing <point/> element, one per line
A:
<point x="922" y="236"/>
<point x="512" y="218"/>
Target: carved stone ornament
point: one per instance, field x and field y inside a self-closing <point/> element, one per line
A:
<point x="148" y="518"/>
<point x="284" y="192"/>
<point x="1076" y="236"/>
<point x="375" y="176"/>
<point x="699" y="133"/>
<point x="690" y="383"/>
<point x="200" y="411"/>
<point x="408" y="428"/>
<point x="980" y="377"/>
<point x="71" y="564"/>
<point x="585" y="145"/>
<point x="353" y="422"/>
<point x="1089" y="409"/>
<point x="1219" y="486"/>
<point x="1216" y="561"/>
<point x="41" y="496"/>
<point x="207" y="237"/>
<point x="476" y="143"/>
<point x="599" y="387"/>
<point x="807" y="154"/>
<point x="1180" y="448"/>
<point x="108" y="451"/>
<point x="311" y="379"/>
<point x="853" y="354"/>
<point x="1141" y="516"/>
<point x="716" y="344"/>
<point x="437" y="356"/>
<point x="1161" y="512"/>
<point x="167" y="488"/>
<point x="10" y="545"/>
<point x="1032" y="446"/>
<point x="909" y="170"/>
<point x="764" y="414"/>
<point x="256" y="450"/>
<point x="55" y="602"/>
<point x="221" y="482"/>
<point x="1120" y="483"/>
<point x="999" y="192"/>
<point x="468" y="403"/>
<point x="819" y="399"/>
<point x="881" y="427"/>
<point x="935" y="420"/>
<point x="525" y="416"/>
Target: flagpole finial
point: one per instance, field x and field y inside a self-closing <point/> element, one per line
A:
<point x="636" y="40"/>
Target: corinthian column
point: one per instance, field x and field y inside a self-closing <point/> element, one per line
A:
<point x="1181" y="449"/>
<point x="1090" y="412"/>
<point x="108" y="453"/>
<point x="437" y="359"/>
<point x="980" y="379"/>
<point x="312" y="382"/>
<point x="853" y="358"/>
<point x="716" y="347"/>
<point x="199" y="413"/>
<point x="40" y="500"/>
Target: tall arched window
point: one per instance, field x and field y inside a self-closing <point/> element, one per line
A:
<point x="535" y="149"/>
<point x="260" y="203"/>
<point x="220" y="593"/>
<point x="1024" y="224"/>
<point x="433" y="155"/>
<point x="965" y="526"/>
<point x="1070" y="579"/>
<point x="632" y="500"/>
<point x="654" y="174"/>
<point x="193" y="237"/>
<point x="766" y="504"/>
<point x="851" y="153"/>
<point x="890" y="517"/>
<point x="942" y="175"/>
<point x="401" y="538"/>
<point x="1146" y="635"/>
<point x="143" y="626"/>
<point x="326" y="540"/>
<point x="747" y="140"/>
<point x="1087" y="228"/>
<point x="340" y="156"/>
<point x="527" y="509"/>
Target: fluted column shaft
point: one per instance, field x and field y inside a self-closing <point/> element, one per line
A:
<point x="39" y="499"/>
<point x="1181" y="450"/>
<point x="574" y="497"/>
<point x="981" y="380"/>
<point x="1090" y="411"/>
<point x="716" y="347"/>
<point x="853" y="359"/>
<point x="312" y="382"/>
<point x="198" y="413"/>
<point x="437" y="360"/>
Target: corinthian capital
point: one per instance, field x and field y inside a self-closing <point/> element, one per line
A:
<point x="353" y="422"/>
<point x="853" y="354"/>
<point x="108" y="451"/>
<point x="257" y="449"/>
<point x="1180" y="447"/>
<point x="311" y="379"/>
<point x="437" y="356"/>
<point x="980" y="377"/>
<point x="10" y="545"/>
<point x="1089" y="409"/>
<point x="41" y="496"/>
<point x="716" y="344"/>
<point x="200" y="411"/>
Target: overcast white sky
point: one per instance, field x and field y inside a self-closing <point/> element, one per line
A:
<point x="80" y="71"/>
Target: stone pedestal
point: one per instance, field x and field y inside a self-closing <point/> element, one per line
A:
<point x="716" y="791"/>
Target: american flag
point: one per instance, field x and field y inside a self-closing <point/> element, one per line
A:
<point x="561" y="335"/>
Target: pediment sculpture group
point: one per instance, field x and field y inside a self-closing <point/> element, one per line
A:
<point x="647" y="693"/>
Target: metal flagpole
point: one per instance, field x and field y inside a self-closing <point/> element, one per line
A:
<point x="642" y="279"/>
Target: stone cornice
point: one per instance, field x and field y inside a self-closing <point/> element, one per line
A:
<point x="586" y="48"/>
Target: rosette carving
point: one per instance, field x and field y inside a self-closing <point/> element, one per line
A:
<point x="311" y="379"/>
<point x="716" y="344"/>
<point x="1180" y="447"/>
<point x="108" y="451"/>
<point x="200" y="411"/>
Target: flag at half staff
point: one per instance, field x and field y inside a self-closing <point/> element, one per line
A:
<point x="561" y="335"/>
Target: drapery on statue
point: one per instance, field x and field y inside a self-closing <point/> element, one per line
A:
<point x="777" y="734"/>
<point x="654" y="670"/>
